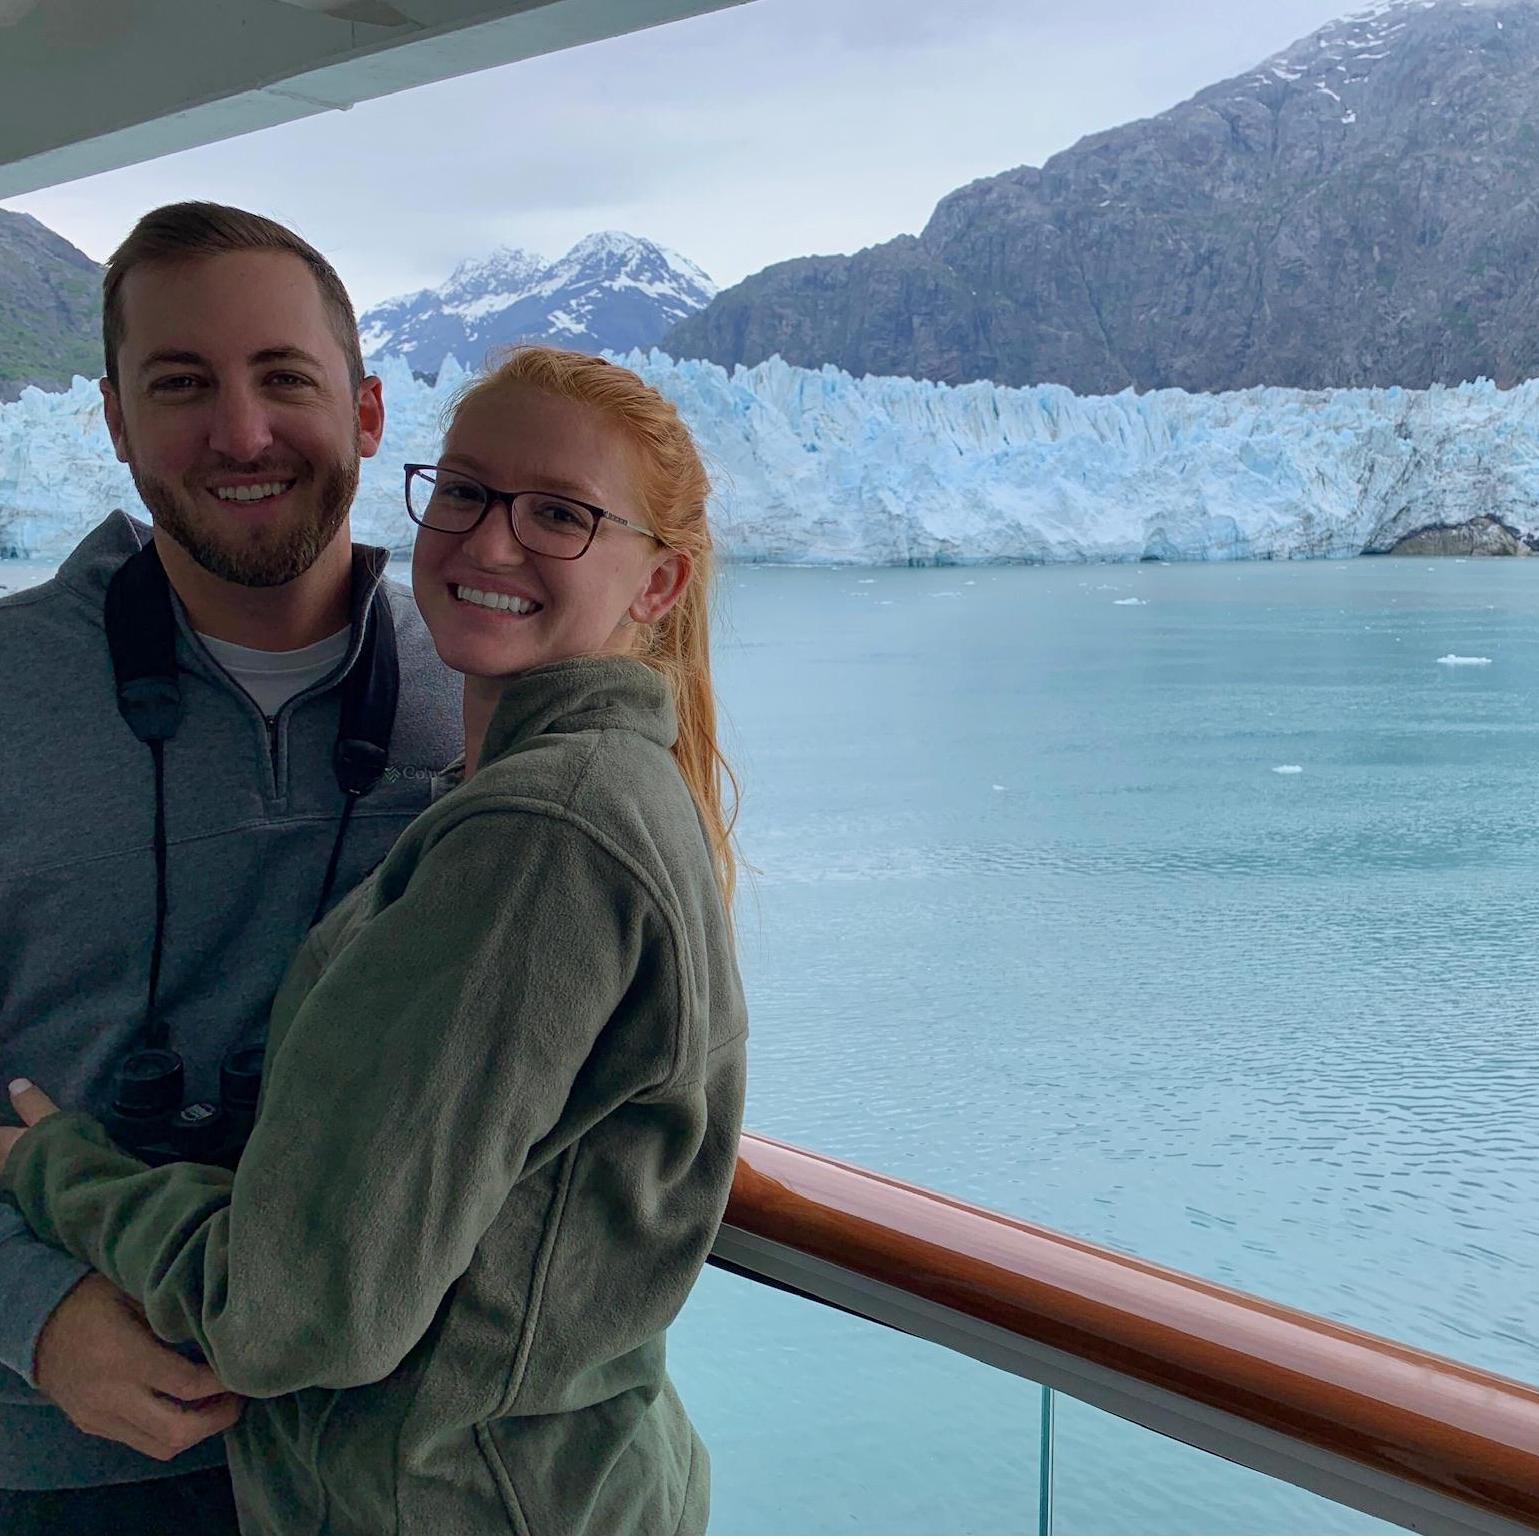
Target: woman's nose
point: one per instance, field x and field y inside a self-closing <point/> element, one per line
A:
<point x="492" y="542"/>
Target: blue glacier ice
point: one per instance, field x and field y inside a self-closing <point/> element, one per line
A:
<point x="816" y="467"/>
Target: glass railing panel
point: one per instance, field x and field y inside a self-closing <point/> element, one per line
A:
<point x="819" y="1422"/>
<point x="1110" y="1476"/>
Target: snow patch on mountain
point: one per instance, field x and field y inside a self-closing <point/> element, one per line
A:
<point x="610" y="291"/>
<point x="815" y="466"/>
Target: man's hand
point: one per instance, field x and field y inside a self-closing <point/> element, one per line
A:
<point x="113" y="1377"/>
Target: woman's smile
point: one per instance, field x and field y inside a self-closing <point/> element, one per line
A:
<point x="496" y="601"/>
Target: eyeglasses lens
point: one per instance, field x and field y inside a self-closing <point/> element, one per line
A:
<point x="546" y="525"/>
<point x="439" y="500"/>
<point x="552" y="526"/>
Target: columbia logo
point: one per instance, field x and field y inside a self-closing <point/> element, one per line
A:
<point x="395" y="772"/>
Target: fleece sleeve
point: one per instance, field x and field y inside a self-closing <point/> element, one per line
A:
<point x="431" y="1063"/>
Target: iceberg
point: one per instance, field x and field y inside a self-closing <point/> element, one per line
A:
<point x="813" y="466"/>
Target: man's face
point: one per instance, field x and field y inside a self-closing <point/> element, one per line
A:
<point x="234" y="412"/>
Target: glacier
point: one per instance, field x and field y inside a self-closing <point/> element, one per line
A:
<point x="812" y="466"/>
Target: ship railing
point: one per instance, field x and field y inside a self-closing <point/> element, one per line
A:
<point x="1409" y="1437"/>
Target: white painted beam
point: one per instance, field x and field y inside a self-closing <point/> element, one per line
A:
<point x="92" y="85"/>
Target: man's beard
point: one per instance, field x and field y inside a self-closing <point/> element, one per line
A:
<point x="256" y="557"/>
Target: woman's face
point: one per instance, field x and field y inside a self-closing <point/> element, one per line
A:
<point x="519" y="439"/>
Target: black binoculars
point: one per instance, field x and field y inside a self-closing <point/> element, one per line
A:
<point x="148" y="1117"/>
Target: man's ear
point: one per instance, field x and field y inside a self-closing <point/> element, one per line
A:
<point x="663" y="589"/>
<point x="112" y="409"/>
<point x="371" y="416"/>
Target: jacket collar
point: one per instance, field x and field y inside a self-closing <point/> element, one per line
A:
<point x="88" y="569"/>
<point x="582" y="694"/>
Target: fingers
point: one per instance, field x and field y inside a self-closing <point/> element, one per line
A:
<point x="30" y="1102"/>
<point x="176" y="1428"/>
<point x="172" y="1374"/>
<point x="9" y="1138"/>
<point x="163" y="1430"/>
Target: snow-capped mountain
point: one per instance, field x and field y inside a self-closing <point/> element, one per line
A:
<point x="610" y="291"/>
<point x="814" y="466"/>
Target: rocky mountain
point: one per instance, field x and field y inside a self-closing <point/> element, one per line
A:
<point x="1360" y="209"/>
<point x="50" y="308"/>
<point x="611" y="290"/>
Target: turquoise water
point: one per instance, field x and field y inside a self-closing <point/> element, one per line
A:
<point x="1038" y="921"/>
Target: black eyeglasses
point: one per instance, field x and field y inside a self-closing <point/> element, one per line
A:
<point x="543" y="523"/>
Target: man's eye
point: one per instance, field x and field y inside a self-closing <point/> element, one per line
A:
<point x="287" y="381"/>
<point x="171" y="384"/>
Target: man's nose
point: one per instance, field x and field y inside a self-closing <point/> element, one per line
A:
<point x="240" y="428"/>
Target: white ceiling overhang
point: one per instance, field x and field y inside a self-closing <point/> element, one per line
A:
<point x="91" y="85"/>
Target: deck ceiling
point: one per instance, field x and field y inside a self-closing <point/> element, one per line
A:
<point x="92" y="85"/>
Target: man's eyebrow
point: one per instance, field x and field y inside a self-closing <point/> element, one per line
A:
<point x="287" y="355"/>
<point x="166" y="355"/>
<point x="172" y="355"/>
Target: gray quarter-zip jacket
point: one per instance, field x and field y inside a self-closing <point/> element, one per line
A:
<point x="251" y="813"/>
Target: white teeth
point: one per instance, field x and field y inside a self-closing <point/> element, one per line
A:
<point x="251" y="493"/>
<point x="507" y="601"/>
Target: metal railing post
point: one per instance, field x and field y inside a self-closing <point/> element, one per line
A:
<point x="1045" y="1466"/>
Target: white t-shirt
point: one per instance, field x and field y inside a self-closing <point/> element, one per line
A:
<point x="272" y="679"/>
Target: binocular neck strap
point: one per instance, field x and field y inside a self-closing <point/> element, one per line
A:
<point x="369" y="697"/>
<point x="141" y="636"/>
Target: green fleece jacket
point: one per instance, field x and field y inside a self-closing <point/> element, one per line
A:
<point x="499" y="1122"/>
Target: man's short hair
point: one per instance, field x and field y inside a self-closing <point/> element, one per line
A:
<point x="181" y="232"/>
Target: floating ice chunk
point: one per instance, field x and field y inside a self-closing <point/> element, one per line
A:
<point x="1130" y="601"/>
<point x="1453" y="660"/>
<point x="999" y="788"/>
<point x="864" y="581"/>
<point x="1287" y="769"/>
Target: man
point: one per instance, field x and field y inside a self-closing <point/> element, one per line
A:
<point x="165" y="887"/>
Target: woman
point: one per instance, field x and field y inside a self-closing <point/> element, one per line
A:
<point x="504" y="1078"/>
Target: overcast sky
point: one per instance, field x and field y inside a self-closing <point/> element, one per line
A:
<point x="771" y="130"/>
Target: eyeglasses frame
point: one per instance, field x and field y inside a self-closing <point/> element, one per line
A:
<point x="494" y="496"/>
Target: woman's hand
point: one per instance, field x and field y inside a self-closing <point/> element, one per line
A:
<point x="32" y="1105"/>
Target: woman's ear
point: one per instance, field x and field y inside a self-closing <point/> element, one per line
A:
<point x="664" y="586"/>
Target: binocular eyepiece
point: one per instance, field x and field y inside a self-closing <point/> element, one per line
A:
<point x="148" y="1117"/>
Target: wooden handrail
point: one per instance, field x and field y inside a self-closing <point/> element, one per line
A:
<point x="1444" y="1427"/>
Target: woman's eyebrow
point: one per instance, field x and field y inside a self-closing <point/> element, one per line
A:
<point x="535" y="480"/>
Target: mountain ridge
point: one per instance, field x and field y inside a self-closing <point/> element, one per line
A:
<point x="1356" y="210"/>
<point x="50" y="308"/>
